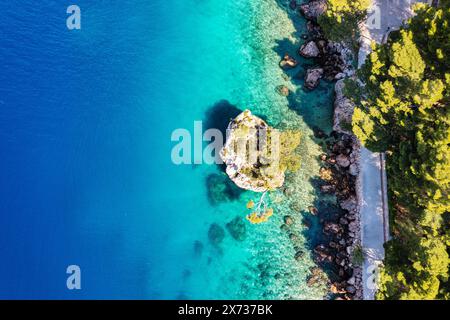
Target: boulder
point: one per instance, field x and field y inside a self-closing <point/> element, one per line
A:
<point x="317" y="275"/>
<point x="314" y="30"/>
<point x="288" y="220"/>
<point x="306" y="223"/>
<point x="343" y="161"/>
<point x="353" y="227"/>
<point x="312" y="78"/>
<point x="319" y="133"/>
<point x="288" y="62"/>
<point x="257" y="172"/>
<point x="322" y="253"/>
<point x="327" y="188"/>
<point x="335" y="288"/>
<point x="313" y="210"/>
<point x="198" y="248"/>
<point x="299" y="255"/>
<point x="353" y="169"/>
<point x="293" y="237"/>
<point x="343" y="109"/>
<point x="351" y="289"/>
<point x="309" y="50"/>
<point x="331" y="227"/>
<point x="313" y="9"/>
<point x="350" y="204"/>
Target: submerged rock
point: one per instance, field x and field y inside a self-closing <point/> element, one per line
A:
<point x="313" y="210"/>
<point x="216" y="234"/>
<point x="288" y="62"/>
<point x="283" y="90"/>
<point x="316" y="276"/>
<point x="198" y="248"/>
<point x="299" y="255"/>
<point x="288" y="220"/>
<point x="237" y="228"/>
<point x="326" y="174"/>
<point x="293" y="4"/>
<point x="331" y="227"/>
<point x="245" y="154"/>
<point x="350" y="204"/>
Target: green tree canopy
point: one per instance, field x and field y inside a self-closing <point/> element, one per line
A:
<point x="402" y="107"/>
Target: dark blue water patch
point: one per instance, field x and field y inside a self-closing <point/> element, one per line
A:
<point x="221" y="189"/>
<point x="219" y="115"/>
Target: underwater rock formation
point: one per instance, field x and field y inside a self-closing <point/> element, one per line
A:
<point x="282" y="90"/>
<point x="221" y="189"/>
<point x="237" y="228"/>
<point x="216" y="234"/>
<point x="198" y="248"/>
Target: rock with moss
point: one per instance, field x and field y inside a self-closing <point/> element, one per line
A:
<point x="250" y="161"/>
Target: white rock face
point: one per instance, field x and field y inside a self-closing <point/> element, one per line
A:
<point x="252" y="170"/>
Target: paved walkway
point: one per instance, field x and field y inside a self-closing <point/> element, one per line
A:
<point x="387" y="15"/>
<point x="374" y="218"/>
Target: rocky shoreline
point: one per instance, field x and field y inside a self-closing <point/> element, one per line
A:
<point x="340" y="170"/>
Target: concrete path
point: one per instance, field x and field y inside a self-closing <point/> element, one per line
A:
<point x="374" y="218"/>
<point x="386" y="15"/>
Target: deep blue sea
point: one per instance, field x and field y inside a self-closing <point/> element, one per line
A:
<point x="86" y="176"/>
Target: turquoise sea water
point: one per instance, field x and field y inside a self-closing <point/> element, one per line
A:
<point x="85" y="123"/>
